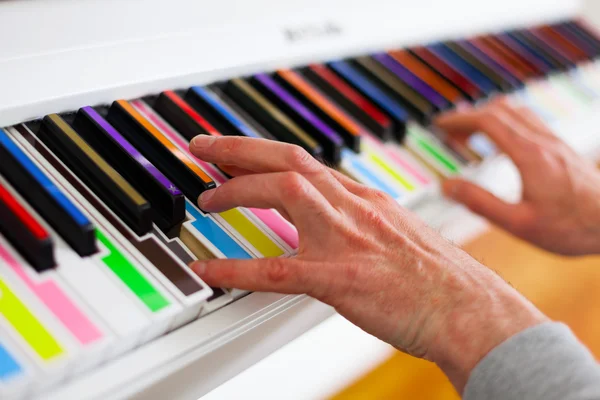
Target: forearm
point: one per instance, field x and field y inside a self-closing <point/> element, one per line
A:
<point x="543" y="362"/>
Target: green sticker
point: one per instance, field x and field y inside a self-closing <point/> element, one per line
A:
<point x="432" y="149"/>
<point x="131" y="277"/>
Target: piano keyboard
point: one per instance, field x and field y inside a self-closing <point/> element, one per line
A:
<point x="98" y="214"/>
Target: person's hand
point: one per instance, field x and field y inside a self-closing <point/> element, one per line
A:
<point x="376" y="263"/>
<point x="560" y="206"/>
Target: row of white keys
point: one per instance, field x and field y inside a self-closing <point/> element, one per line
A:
<point x="130" y="319"/>
<point x="192" y="304"/>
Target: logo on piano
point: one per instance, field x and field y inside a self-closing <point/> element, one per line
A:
<point x="313" y="31"/>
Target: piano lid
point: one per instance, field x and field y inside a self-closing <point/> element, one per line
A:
<point x="93" y="51"/>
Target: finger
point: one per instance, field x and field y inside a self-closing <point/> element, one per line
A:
<point x="480" y="201"/>
<point x="232" y="170"/>
<point x="354" y="187"/>
<point x="288" y="192"/>
<point x="242" y="154"/>
<point x="348" y="183"/>
<point x="279" y="275"/>
<point x="497" y="125"/>
<point x="252" y="154"/>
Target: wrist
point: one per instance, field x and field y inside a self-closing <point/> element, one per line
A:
<point x="487" y="314"/>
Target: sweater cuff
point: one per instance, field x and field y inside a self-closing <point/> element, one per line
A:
<point x="542" y="362"/>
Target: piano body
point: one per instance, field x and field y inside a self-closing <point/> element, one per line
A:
<point x="98" y="100"/>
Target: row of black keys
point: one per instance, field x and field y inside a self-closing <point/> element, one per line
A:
<point x="259" y="99"/>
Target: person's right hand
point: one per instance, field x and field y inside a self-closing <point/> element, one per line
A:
<point x="360" y="252"/>
<point x="560" y="206"/>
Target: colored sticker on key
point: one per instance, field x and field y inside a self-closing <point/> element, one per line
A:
<point x="27" y="325"/>
<point x="234" y="217"/>
<point x="216" y="104"/>
<point x="57" y="301"/>
<point x="392" y="172"/>
<point x="9" y="367"/>
<point x="130" y="276"/>
<point x="356" y="166"/>
<point x="44" y="181"/>
<point x="215" y="234"/>
<point x="434" y="151"/>
<point x="383" y="100"/>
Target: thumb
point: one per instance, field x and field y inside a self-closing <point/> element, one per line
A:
<point x="279" y="275"/>
<point x="484" y="203"/>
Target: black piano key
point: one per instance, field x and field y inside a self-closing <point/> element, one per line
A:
<point x="310" y="123"/>
<point x="585" y="51"/>
<point x="45" y="197"/>
<point x="353" y="102"/>
<point x="420" y="108"/>
<point x="515" y="78"/>
<point x="95" y="172"/>
<point x="321" y="106"/>
<point x="216" y="113"/>
<point x="362" y="83"/>
<point x="269" y="116"/>
<point x="168" y="203"/>
<point x="448" y="56"/>
<point x="507" y="43"/>
<point x="535" y="50"/>
<point x="177" y="112"/>
<point x="559" y="59"/>
<point x="504" y="84"/>
<point x="581" y="33"/>
<point x="452" y="75"/>
<point x="172" y="162"/>
<point x="216" y="88"/>
<point x="24" y="232"/>
<point x="437" y="101"/>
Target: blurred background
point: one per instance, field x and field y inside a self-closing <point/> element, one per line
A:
<point x="592" y="8"/>
<point x="337" y="361"/>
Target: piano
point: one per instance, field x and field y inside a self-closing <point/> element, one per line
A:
<point x="98" y="220"/>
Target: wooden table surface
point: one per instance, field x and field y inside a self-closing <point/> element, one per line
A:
<point x="566" y="289"/>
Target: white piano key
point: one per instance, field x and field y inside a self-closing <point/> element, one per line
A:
<point x="37" y="332"/>
<point x="126" y="314"/>
<point x="17" y="373"/>
<point x="189" y="304"/>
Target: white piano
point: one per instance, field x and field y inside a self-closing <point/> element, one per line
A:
<point x="57" y="56"/>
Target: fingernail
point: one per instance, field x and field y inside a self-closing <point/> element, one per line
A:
<point x="206" y="196"/>
<point x="202" y="141"/>
<point x="199" y="267"/>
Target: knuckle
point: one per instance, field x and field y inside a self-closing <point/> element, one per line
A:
<point x="294" y="185"/>
<point x="489" y="120"/>
<point x="378" y="196"/>
<point x="232" y="143"/>
<point x="374" y="218"/>
<point x="299" y="159"/>
<point x="278" y="271"/>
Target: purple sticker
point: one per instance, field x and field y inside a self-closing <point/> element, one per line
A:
<point x="421" y="87"/>
<point x="299" y="108"/>
<point x="133" y="152"/>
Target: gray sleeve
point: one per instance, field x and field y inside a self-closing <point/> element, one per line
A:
<point x="544" y="362"/>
